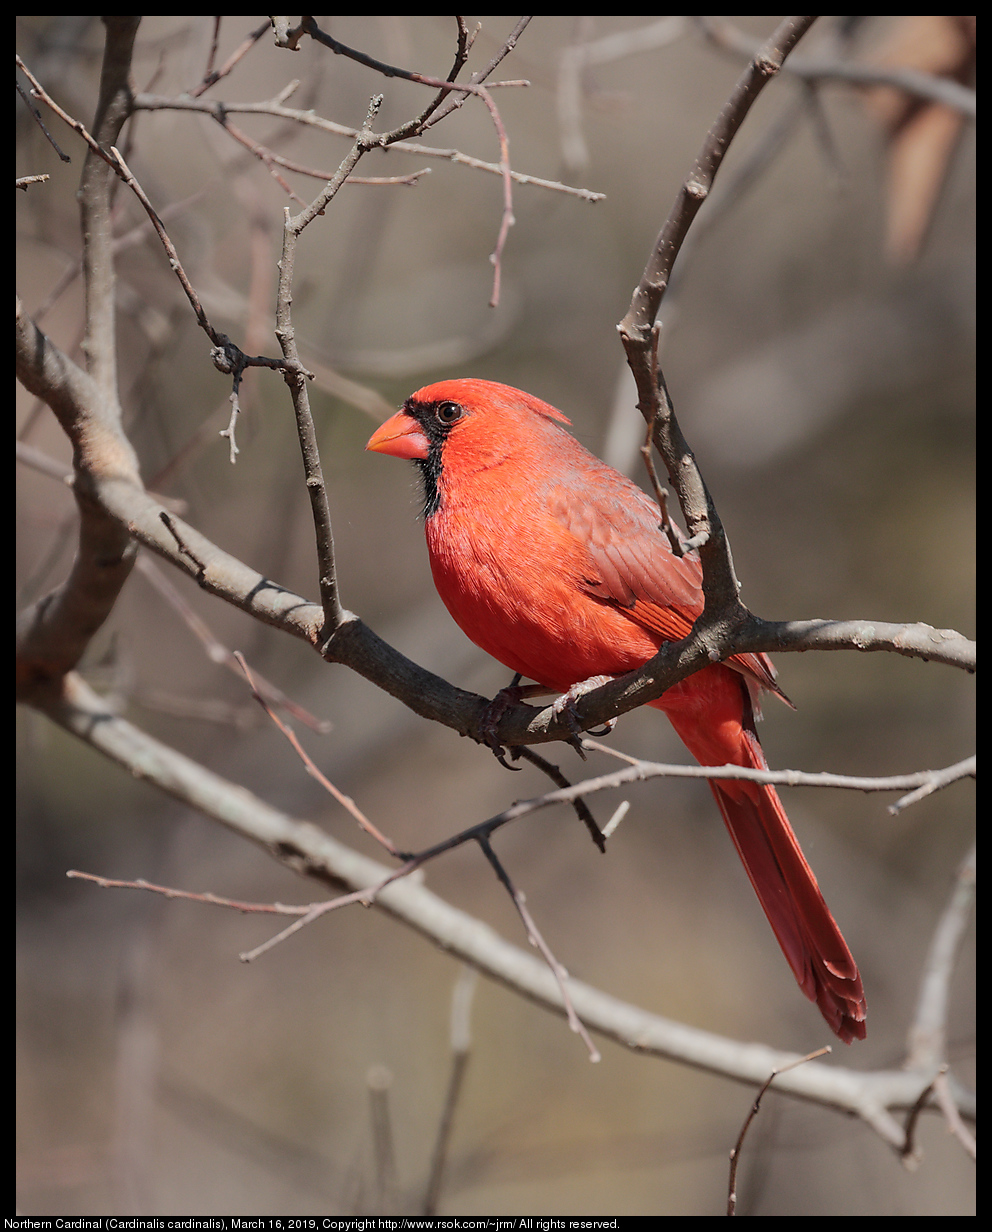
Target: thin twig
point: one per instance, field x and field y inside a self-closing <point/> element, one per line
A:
<point x="936" y="780"/>
<point x="217" y="652"/>
<point x="672" y="533"/>
<point x="184" y="549"/>
<point x="720" y="587"/>
<point x="619" y="813"/>
<point x="910" y="1154"/>
<point x="461" y="1002"/>
<point x="212" y="51"/>
<point x="456" y="99"/>
<point x="556" y="776"/>
<point x="537" y="940"/>
<point x="313" y="770"/>
<point x="211" y="77"/>
<point x="945" y="1101"/>
<point x="308" y="917"/>
<point x="214" y="900"/>
<point x="157" y="102"/>
<point x="41" y="124"/>
<point x="735" y="1154"/>
<point x="296" y="377"/>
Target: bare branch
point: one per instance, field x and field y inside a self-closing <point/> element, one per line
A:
<point x="23" y="183"/>
<point x="296" y="375"/>
<point x="213" y="900"/>
<point x="313" y="770"/>
<point x="305" y="848"/>
<point x="155" y="102"/>
<point x="212" y="76"/>
<point x="638" y="769"/>
<point x="461" y="1001"/>
<point x="927" y="1042"/>
<point x="816" y="68"/>
<point x="755" y="1108"/>
<point x="457" y="97"/>
<point x="720" y="586"/>
<point x="54" y="633"/>
<point x="909" y="1153"/>
<point x="945" y="1102"/>
<point x="537" y="940"/>
<point x="916" y="641"/>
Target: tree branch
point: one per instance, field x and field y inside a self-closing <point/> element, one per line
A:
<point x="816" y="68"/>
<point x="105" y="459"/>
<point x="638" y="331"/>
<point x="306" y="849"/>
<point x="158" y="102"/>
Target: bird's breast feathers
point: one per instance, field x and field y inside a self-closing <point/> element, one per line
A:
<point x="525" y="586"/>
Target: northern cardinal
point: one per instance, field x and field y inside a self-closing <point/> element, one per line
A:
<point x="555" y="564"/>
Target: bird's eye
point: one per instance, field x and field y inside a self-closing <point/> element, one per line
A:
<point x="448" y="412"/>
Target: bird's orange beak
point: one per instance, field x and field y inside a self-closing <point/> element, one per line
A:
<point x="400" y="436"/>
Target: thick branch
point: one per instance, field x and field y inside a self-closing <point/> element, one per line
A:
<point x="95" y="191"/>
<point x="54" y="633"/>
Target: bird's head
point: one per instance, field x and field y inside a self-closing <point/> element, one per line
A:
<point x="474" y="409"/>
<point x="459" y="428"/>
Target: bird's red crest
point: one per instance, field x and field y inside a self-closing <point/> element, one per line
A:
<point x="477" y="394"/>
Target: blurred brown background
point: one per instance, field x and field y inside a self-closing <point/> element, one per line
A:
<point x="826" y="385"/>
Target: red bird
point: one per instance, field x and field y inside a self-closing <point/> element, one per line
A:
<point x="554" y="563"/>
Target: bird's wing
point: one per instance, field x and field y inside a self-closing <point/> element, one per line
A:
<point x="631" y="563"/>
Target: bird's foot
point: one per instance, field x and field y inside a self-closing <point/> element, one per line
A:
<point x="565" y="706"/>
<point x="494" y="711"/>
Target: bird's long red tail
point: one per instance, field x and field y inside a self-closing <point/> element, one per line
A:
<point x="712" y="714"/>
